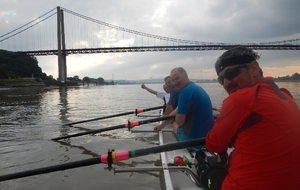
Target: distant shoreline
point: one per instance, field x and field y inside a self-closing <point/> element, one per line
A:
<point x="276" y="80"/>
<point x="8" y="84"/>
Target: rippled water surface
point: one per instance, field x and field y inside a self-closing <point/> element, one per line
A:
<point x="30" y="117"/>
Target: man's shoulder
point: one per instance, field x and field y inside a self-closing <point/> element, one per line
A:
<point x="190" y="86"/>
<point x="243" y="97"/>
<point x="194" y="88"/>
<point x="252" y="90"/>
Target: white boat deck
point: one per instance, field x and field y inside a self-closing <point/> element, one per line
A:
<point x="176" y="177"/>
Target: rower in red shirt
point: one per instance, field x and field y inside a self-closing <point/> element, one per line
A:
<point x="260" y="121"/>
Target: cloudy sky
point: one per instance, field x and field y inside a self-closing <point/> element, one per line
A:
<point x="228" y="21"/>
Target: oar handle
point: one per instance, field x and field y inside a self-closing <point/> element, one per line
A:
<point x="167" y="147"/>
<point x="154" y="108"/>
<point x="156" y="119"/>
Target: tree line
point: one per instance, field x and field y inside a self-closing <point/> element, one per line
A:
<point x="18" y="65"/>
<point x="15" y="65"/>
<point x="87" y="80"/>
<point x="293" y="77"/>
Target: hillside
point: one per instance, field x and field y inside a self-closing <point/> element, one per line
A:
<point x="17" y="65"/>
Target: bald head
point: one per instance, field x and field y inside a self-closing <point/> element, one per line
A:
<point x="179" y="77"/>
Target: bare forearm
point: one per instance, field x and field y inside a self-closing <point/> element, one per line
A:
<point x="166" y="122"/>
<point x="179" y="119"/>
<point x="169" y="110"/>
<point x="148" y="89"/>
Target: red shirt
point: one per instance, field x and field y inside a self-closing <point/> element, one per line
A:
<point x="262" y="123"/>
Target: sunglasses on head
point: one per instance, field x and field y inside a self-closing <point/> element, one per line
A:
<point x="231" y="73"/>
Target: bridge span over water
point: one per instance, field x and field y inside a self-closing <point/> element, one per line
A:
<point x="56" y="33"/>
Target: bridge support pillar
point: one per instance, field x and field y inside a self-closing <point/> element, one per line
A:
<point x="62" y="60"/>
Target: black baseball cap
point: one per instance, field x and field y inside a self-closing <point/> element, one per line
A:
<point x="235" y="56"/>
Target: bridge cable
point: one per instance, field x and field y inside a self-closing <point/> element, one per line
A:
<point x="27" y="27"/>
<point x="27" y="23"/>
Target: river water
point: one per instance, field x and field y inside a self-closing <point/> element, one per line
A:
<point x="30" y="117"/>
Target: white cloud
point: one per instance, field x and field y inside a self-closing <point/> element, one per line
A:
<point x="7" y="14"/>
<point x="205" y="20"/>
<point x="160" y="14"/>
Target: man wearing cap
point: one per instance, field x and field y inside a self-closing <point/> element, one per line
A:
<point x="260" y="121"/>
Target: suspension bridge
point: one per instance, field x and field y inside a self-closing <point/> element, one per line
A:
<point x="62" y="32"/>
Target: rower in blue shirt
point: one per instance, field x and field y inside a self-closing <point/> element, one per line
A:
<point x="194" y="116"/>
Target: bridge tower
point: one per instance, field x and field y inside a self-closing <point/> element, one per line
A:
<point x="61" y="47"/>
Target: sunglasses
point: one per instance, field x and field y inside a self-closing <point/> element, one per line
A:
<point x="231" y="73"/>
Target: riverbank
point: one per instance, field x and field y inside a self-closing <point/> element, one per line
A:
<point x="32" y="82"/>
<point x="24" y="82"/>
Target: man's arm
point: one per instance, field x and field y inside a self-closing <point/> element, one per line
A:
<point x="179" y="121"/>
<point x="171" y="111"/>
<point x="222" y="135"/>
<point x="143" y="86"/>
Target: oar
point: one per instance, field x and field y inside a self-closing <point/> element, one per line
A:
<point x="111" y="157"/>
<point x="128" y="125"/>
<point x="136" y="111"/>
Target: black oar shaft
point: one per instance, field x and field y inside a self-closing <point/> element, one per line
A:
<point x="90" y="132"/>
<point x="154" y="108"/>
<point x="92" y="161"/>
<point x="98" y="118"/>
<point x="49" y="169"/>
<point x="156" y="119"/>
<point x="116" y="115"/>
<point x="113" y="127"/>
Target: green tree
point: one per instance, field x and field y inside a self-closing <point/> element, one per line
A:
<point x="295" y="76"/>
<point x="76" y="78"/>
<point x="100" y="80"/>
<point x="14" y="65"/>
<point x="86" y="79"/>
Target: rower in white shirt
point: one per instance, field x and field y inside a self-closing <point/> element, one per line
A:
<point x="165" y="96"/>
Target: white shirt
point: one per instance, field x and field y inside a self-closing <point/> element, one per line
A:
<point x="164" y="96"/>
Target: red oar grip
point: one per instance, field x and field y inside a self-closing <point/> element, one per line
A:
<point x="136" y="111"/>
<point x="116" y="157"/>
<point x="132" y="124"/>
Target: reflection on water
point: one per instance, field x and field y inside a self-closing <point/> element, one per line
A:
<point x="29" y="117"/>
<point x="63" y="97"/>
<point x="63" y="110"/>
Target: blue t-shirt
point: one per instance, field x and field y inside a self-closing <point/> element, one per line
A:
<point x="194" y="102"/>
